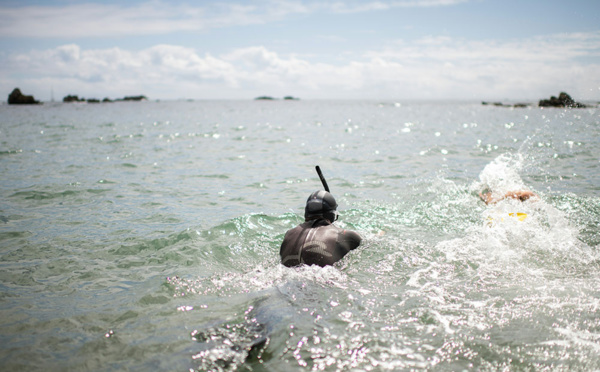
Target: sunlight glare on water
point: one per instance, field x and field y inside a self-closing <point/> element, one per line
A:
<point x="147" y="235"/>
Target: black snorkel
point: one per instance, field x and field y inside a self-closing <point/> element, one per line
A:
<point x="322" y="178"/>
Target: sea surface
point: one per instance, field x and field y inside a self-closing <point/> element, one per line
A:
<point x="141" y="236"/>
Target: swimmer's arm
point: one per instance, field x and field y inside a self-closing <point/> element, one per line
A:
<point x="521" y="195"/>
<point x="349" y="240"/>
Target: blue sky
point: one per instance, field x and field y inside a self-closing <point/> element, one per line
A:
<point x="384" y="50"/>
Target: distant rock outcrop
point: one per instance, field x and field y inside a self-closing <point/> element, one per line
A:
<point x="18" y="98"/>
<point x="133" y="98"/>
<point x="71" y="98"/>
<point x="493" y="103"/>
<point x="269" y="98"/>
<point x="563" y="100"/>
<point x="500" y="104"/>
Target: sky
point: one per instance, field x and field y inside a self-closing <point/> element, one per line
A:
<point x="375" y="49"/>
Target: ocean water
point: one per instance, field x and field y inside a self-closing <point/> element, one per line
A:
<point x="145" y="236"/>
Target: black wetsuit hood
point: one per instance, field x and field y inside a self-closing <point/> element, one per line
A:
<point x="321" y="204"/>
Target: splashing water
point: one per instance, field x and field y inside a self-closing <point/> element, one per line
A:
<point x="506" y="295"/>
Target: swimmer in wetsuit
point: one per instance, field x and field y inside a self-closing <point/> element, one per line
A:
<point x="318" y="241"/>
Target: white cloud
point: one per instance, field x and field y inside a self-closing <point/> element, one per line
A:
<point x="361" y="6"/>
<point x="550" y="49"/>
<point x="428" y="68"/>
<point x="101" y="20"/>
<point x="163" y="17"/>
